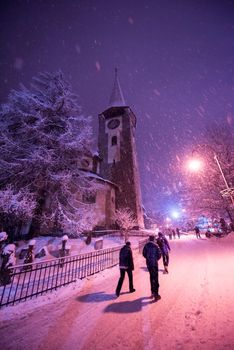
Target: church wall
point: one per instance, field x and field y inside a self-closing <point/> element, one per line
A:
<point x="105" y="206"/>
<point x="121" y="169"/>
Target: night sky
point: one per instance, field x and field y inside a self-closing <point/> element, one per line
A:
<point x="175" y="62"/>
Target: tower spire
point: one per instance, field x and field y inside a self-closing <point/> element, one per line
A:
<point x="116" y="98"/>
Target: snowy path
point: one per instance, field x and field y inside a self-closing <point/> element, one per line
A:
<point x="196" y="310"/>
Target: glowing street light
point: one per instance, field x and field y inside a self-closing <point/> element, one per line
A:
<point x="195" y="165"/>
<point x="175" y="214"/>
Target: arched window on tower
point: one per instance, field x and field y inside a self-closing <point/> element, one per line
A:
<point x="114" y="141"/>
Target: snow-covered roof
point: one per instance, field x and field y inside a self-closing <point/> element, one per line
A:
<point x="116" y="98"/>
<point x="96" y="176"/>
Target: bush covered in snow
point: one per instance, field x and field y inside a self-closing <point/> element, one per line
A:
<point x="125" y="220"/>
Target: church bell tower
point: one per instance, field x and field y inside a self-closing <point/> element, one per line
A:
<point x="117" y="149"/>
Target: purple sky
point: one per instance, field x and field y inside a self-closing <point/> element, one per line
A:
<point x="175" y="60"/>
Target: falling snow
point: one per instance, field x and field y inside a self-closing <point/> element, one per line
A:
<point x="175" y="67"/>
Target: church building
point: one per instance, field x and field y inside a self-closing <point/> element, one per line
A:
<point x="116" y="163"/>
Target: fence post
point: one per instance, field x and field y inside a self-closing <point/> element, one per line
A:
<point x="8" y="260"/>
<point x="63" y="251"/>
<point x="30" y="255"/>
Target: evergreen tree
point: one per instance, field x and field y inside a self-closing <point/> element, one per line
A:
<point x="43" y="137"/>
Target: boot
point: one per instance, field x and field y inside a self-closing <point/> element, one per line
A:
<point x="157" y="297"/>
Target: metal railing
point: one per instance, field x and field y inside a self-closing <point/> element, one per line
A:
<point x="30" y="280"/>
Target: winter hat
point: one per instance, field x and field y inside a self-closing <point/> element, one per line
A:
<point x="128" y="243"/>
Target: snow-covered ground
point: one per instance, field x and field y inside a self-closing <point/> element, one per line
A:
<point x="196" y="310"/>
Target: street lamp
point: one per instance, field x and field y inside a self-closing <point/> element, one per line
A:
<point x="175" y="214"/>
<point x="196" y="165"/>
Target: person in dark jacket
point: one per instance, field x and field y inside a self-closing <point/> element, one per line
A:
<point x="223" y="225"/>
<point x="178" y="232"/>
<point x="165" y="248"/>
<point x="197" y="231"/>
<point x="152" y="254"/>
<point x="174" y="233"/>
<point x="125" y="265"/>
<point x="170" y="233"/>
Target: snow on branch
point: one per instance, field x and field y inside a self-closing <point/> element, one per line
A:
<point x="43" y="138"/>
<point x="125" y="219"/>
<point x="17" y="203"/>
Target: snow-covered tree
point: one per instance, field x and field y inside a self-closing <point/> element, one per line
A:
<point x="201" y="191"/>
<point x="125" y="219"/>
<point x="153" y="219"/>
<point x="43" y="137"/>
<point x="16" y="207"/>
<point x="72" y="220"/>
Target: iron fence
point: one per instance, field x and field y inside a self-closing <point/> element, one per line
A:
<point x="30" y="280"/>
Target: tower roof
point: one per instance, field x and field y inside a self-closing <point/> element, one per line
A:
<point x="116" y="98"/>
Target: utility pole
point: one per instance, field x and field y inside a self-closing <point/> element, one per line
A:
<point x="228" y="190"/>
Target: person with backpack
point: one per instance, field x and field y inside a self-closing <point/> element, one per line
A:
<point x="165" y="249"/>
<point x="152" y="254"/>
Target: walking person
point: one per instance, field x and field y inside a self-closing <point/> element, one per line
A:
<point x="125" y="265"/>
<point x="170" y="233"/>
<point x="178" y="232"/>
<point x="174" y="233"/>
<point x="223" y="225"/>
<point x="152" y="254"/>
<point x="197" y="231"/>
<point x="165" y="249"/>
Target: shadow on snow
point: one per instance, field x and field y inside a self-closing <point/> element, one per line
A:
<point x="96" y="297"/>
<point x="129" y="306"/>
